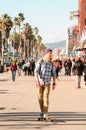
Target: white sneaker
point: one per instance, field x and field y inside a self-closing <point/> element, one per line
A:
<point x="45" y="115"/>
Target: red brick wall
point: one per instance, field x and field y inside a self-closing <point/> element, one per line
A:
<point x="82" y="16"/>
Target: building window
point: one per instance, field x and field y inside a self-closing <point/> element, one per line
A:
<point x="85" y="22"/>
<point x="85" y="6"/>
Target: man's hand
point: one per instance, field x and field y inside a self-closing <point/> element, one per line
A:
<point x="53" y="86"/>
<point x="37" y="84"/>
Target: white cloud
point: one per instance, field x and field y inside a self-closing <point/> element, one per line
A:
<point x="55" y="35"/>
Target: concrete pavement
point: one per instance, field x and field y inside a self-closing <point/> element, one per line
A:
<point x="19" y="108"/>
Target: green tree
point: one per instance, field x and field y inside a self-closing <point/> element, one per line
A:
<point x="5" y="27"/>
<point x="17" y="23"/>
<point x="27" y="36"/>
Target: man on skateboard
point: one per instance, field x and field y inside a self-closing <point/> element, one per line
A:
<point x="44" y="70"/>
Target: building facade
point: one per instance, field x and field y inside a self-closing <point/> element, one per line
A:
<point x="78" y="32"/>
<point x="81" y="16"/>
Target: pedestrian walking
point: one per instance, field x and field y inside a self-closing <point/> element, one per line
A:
<point x="68" y="65"/>
<point x="78" y="67"/>
<point x="19" y="67"/>
<point x="32" y="67"/>
<point x="24" y="67"/>
<point x="85" y="71"/>
<point x="57" y="67"/>
<point x="1" y="67"/>
<point x="13" y="68"/>
<point x="44" y="70"/>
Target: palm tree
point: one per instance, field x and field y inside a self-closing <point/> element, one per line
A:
<point x="27" y="36"/>
<point x="20" y="21"/>
<point x="5" y="27"/>
<point x="39" y="39"/>
<point x="17" y="23"/>
<point x="20" y="18"/>
<point x="42" y="48"/>
<point x="33" y="45"/>
<point x="38" y="43"/>
<point x="39" y="47"/>
<point x="7" y="24"/>
<point x="35" y="30"/>
<point x="14" y="38"/>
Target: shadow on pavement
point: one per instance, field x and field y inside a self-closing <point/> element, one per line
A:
<point x="29" y="120"/>
<point x="3" y="91"/>
<point x="2" y="108"/>
<point x="2" y="80"/>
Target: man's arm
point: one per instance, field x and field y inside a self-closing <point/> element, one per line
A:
<point x="37" y="80"/>
<point x="54" y="82"/>
<point x="36" y="72"/>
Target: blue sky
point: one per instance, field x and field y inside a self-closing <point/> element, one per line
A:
<point x="50" y="16"/>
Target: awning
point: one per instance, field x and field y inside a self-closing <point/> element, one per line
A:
<point x="84" y="44"/>
<point x="77" y="47"/>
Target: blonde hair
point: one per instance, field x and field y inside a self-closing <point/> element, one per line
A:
<point x="48" y="57"/>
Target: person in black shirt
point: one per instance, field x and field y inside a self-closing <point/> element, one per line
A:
<point x="78" y="67"/>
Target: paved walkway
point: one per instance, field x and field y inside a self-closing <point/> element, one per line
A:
<point x="19" y="107"/>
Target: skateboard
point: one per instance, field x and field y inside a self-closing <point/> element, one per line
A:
<point x="45" y="119"/>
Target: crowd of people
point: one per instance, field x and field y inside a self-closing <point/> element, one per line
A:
<point x="46" y="69"/>
<point x="75" y="66"/>
<point x="27" y="67"/>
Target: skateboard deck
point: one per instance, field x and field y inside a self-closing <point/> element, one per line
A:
<point x="45" y="119"/>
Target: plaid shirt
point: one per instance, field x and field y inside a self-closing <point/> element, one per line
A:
<point x="45" y="71"/>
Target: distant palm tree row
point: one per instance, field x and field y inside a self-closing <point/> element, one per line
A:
<point x="25" y="40"/>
